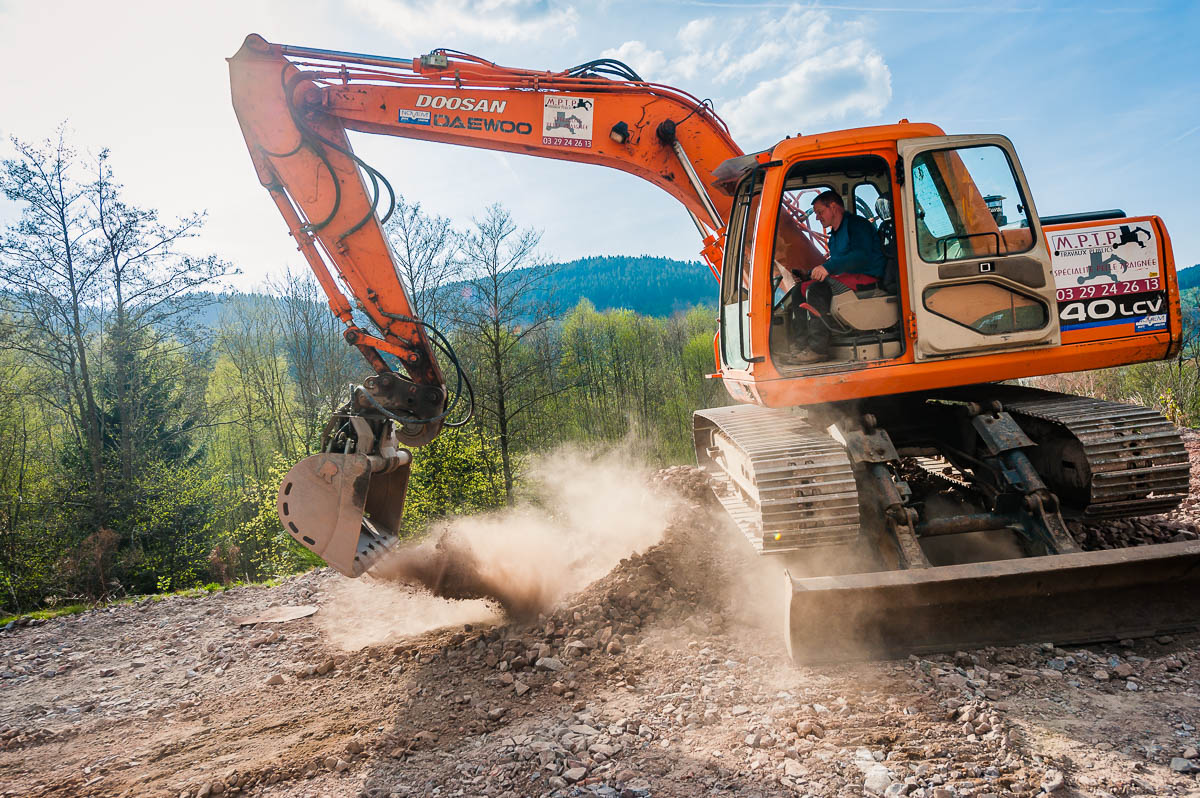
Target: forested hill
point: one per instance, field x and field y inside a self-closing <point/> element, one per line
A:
<point x="649" y="285"/>
<point x="1189" y="277"/>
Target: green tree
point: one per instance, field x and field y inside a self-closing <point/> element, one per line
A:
<point x="321" y="365"/>
<point x="258" y="547"/>
<point x="459" y="473"/>
<point x="168" y="535"/>
<point x="251" y="393"/>
<point x="504" y="329"/>
<point x="424" y="247"/>
<point x="97" y="299"/>
<point x="149" y="294"/>
<point x="53" y="280"/>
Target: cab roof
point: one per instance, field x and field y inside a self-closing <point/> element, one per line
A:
<point x="729" y="173"/>
<point x="853" y="138"/>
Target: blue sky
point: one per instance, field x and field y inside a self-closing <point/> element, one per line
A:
<point x="1102" y="102"/>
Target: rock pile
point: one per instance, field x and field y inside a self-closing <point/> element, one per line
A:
<point x="648" y="682"/>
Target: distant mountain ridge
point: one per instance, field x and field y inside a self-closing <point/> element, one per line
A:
<point x="645" y="284"/>
<point x="1189" y="277"/>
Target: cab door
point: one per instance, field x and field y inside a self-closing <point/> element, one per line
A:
<point x="979" y="275"/>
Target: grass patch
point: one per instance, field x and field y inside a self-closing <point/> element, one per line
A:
<point x="52" y="612"/>
<point x="187" y="592"/>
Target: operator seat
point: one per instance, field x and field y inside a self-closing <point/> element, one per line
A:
<point x="877" y="307"/>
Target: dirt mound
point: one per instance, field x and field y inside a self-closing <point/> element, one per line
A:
<point x="592" y="509"/>
<point x="680" y="571"/>
<point x="682" y="578"/>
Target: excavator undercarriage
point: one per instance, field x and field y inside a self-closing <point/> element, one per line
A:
<point x="942" y="518"/>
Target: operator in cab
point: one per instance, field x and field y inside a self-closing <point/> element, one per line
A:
<point x="855" y="259"/>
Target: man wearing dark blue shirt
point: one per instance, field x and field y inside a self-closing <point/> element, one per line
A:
<point x="854" y="254"/>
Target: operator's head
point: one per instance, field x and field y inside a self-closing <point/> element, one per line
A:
<point x="829" y="209"/>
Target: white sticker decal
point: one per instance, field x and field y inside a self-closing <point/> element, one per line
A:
<point x="1093" y="256"/>
<point x="567" y="121"/>
<point x="1108" y="275"/>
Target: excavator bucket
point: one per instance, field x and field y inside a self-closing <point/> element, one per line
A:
<point x="336" y="507"/>
<point x="1064" y="598"/>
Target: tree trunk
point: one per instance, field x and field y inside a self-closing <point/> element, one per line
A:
<point x="502" y="413"/>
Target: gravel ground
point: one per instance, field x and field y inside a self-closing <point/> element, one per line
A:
<point x="666" y="677"/>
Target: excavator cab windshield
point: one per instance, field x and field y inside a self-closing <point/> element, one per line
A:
<point x="968" y="203"/>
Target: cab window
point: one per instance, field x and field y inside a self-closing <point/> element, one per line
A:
<point x="869" y="204"/>
<point x="735" y="273"/>
<point x="987" y="307"/>
<point x="739" y="248"/>
<point x="968" y="205"/>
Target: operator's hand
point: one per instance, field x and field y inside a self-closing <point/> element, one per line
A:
<point x="819" y="273"/>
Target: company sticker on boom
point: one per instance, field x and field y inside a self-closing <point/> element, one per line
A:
<point x="411" y="116"/>
<point x="567" y="121"/>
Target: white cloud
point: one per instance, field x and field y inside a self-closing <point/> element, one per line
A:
<point x="848" y="81"/>
<point x="693" y="34"/>
<point x="649" y="64"/>
<point x="772" y="51"/>
<point x="779" y="71"/>
<point x="413" y="21"/>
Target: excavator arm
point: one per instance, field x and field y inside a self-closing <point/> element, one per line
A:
<point x="295" y="106"/>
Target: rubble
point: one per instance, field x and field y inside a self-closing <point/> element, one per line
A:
<point x="655" y="680"/>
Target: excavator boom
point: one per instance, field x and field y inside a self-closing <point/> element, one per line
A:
<point x="296" y="105"/>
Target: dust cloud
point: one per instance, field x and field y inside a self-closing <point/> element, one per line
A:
<point x="361" y="612"/>
<point x="589" y="510"/>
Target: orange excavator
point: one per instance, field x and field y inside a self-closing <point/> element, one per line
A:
<point x="916" y="489"/>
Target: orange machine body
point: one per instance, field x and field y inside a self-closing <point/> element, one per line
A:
<point x="295" y="114"/>
<point x="1086" y="343"/>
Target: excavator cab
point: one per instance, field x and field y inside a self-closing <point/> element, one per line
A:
<point x="864" y="317"/>
<point x="964" y="255"/>
<point x="918" y="505"/>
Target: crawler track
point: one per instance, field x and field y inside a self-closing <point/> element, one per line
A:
<point x="786" y="484"/>
<point x="1103" y="459"/>
<point x="791" y="487"/>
